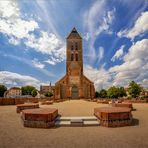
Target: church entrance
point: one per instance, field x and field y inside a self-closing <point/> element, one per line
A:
<point x="74" y="92"/>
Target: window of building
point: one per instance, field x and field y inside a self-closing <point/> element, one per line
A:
<point x="76" y="57"/>
<point x="76" y="46"/>
<point x="71" y="47"/>
<point x="72" y="57"/>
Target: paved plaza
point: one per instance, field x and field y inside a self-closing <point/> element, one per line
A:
<point x="14" y="134"/>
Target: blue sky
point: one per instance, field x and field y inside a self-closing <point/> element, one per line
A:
<point x="33" y="40"/>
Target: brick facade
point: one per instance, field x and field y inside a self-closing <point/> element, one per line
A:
<point x="74" y="84"/>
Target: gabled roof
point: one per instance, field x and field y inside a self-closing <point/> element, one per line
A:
<point x="87" y="79"/>
<point x="15" y="88"/>
<point x="74" y="34"/>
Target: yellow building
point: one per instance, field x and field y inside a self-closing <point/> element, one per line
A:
<point x="13" y="92"/>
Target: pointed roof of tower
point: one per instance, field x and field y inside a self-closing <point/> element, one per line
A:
<point x="74" y="34"/>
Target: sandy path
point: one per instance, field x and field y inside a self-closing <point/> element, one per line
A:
<point x="13" y="134"/>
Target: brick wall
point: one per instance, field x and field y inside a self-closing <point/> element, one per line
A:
<point x="14" y="101"/>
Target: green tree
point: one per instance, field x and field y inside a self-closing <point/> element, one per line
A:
<point x="113" y="92"/>
<point x="34" y="92"/>
<point x="103" y="93"/>
<point x="121" y="92"/>
<point x="48" y="94"/>
<point x="134" y="89"/>
<point x="27" y="90"/>
<point x="97" y="94"/>
<point x="3" y="88"/>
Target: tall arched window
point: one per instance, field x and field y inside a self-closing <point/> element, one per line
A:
<point x="72" y="47"/>
<point x="72" y="57"/>
<point x="76" y="57"/>
<point x="76" y="44"/>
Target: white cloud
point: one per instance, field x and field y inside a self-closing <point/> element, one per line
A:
<point x="139" y="50"/>
<point x="134" y="67"/>
<point x="100" y="77"/>
<point x="15" y="79"/>
<point x="37" y="64"/>
<point x="101" y="53"/>
<point x="140" y="27"/>
<point x="12" y="24"/>
<point x="29" y="63"/>
<point x="17" y="29"/>
<point x="14" y="41"/>
<point x="86" y="36"/>
<point x="106" y="22"/>
<point x="96" y="23"/>
<point x="48" y="44"/>
<point x="9" y="9"/>
<point x="119" y="53"/>
<point x="52" y="61"/>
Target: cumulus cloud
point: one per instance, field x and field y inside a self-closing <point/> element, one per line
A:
<point x="119" y="53"/>
<point x="140" y="27"/>
<point x="14" y="79"/>
<point x="18" y="29"/>
<point x="12" y="24"/>
<point x="100" y="77"/>
<point x="9" y="9"/>
<point x="134" y="67"/>
<point x="48" y="44"/>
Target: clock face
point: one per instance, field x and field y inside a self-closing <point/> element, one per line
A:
<point x="74" y="79"/>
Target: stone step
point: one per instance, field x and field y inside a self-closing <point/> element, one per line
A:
<point x="62" y="123"/>
<point x="91" y="123"/>
<point x="85" y="123"/>
<point x="84" y="118"/>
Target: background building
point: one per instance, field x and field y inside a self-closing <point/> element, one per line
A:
<point x="13" y="92"/>
<point x="74" y="84"/>
<point x="46" y="88"/>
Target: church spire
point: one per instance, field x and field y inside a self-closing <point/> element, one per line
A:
<point x="74" y="33"/>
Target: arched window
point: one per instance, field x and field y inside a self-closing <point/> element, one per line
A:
<point x="72" y="57"/>
<point x="76" y="57"/>
<point x="71" y="47"/>
<point x="76" y="44"/>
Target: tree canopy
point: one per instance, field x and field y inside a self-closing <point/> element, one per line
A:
<point x="112" y="92"/>
<point x="29" y="90"/>
<point x="34" y="92"/>
<point x="48" y="94"/>
<point x="115" y="92"/>
<point x="121" y="92"/>
<point x="134" y="89"/>
<point x="3" y="88"/>
<point x="103" y="93"/>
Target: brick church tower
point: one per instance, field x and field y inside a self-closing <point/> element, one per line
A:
<point x="74" y="84"/>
